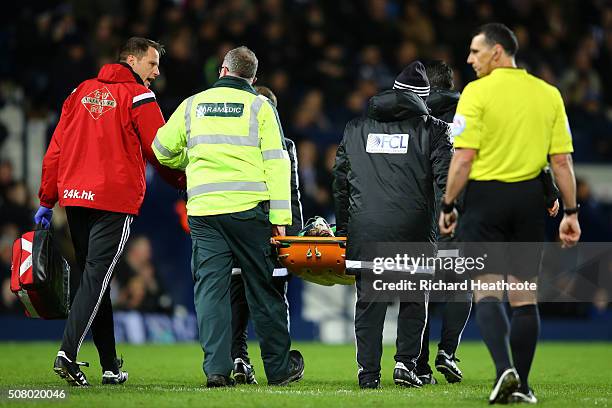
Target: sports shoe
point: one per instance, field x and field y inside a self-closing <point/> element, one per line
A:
<point x="404" y="377"/>
<point x="296" y="369"/>
<point x="110" y="377"/>
<point x="69" y="370"/>
<point x="427" y="379"/>
<point x="217" y="381"/>
<point x="244" y="373"/>
<point x="506" y="385"/>
<point x="370" y="385"/>
<point x="445" y="364"/>
<point x="521" y="397"/>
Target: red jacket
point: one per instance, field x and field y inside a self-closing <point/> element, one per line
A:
<point x="96" y="156"/>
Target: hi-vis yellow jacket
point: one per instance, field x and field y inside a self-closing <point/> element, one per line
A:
<point x="229" y="141"/>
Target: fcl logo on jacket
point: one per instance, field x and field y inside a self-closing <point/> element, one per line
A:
<point x="99" y="102"/>
<point x="385" y="143"/>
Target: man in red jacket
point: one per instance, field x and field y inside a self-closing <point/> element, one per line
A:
<point x="95" y="167"/>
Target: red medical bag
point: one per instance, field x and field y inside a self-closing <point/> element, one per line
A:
<point x="40" y="276"/>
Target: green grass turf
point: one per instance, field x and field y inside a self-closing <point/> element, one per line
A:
<point x="564" y="374"/>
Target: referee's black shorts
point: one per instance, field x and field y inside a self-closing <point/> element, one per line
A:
<point x="511" y="216"/>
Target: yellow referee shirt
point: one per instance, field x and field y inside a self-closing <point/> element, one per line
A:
<point x="515" y="121"/>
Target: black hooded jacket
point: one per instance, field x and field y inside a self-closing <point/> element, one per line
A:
<point x="443" y="103"/>
<point x="297" y="222"/>
<point x="385" y="171"/>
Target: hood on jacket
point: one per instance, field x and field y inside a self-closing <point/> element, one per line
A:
<point x="120" y="72"/>
<point x="441" y="101"/>
<point x="395" y="105"/>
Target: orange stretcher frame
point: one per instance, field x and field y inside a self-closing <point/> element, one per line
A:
<point x="315" y="259"/>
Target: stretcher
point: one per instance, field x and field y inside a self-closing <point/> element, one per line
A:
<point x="315" y="259"/>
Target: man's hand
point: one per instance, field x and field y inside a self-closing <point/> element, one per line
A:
<point x="448" y="222"/>
<point x="569" y="231"/>
<point x="554" y="210"/>
<point x="277" y="230"/>
<point x="43" y="216"/>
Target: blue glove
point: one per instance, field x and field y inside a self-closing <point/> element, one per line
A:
<point x="43" y="217"/>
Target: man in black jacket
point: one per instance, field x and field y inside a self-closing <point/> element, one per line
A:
<point x="442" y="101"/>
<point x="384" y="175"/>
<point x="244" y="372"/>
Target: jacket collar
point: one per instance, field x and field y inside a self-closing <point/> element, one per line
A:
<point x="441" y="101"/>
<point x="136" y="76"/>
<point x="236" y="83"/>
<point x="119" y="72"/>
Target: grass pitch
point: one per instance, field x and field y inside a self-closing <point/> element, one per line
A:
<point x="564" y="374"/>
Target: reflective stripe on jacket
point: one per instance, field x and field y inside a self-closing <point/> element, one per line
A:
<point x="230" y="141"/>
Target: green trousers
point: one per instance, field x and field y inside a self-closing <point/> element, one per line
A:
<point x="217" y="241"/>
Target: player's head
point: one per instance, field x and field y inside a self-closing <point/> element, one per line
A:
<point x="240" y="62"/>
<point x="267" y="92"/>
<point x="493" y="46"/>
<point x="143" y="56"/>
<point x="440" y="75"/>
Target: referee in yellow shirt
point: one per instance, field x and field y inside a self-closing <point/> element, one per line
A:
<point x="508" y="125"/>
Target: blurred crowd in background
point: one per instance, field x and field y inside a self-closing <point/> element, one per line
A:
<point x="323" y="60"/>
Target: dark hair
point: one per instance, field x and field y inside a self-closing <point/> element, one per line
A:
<point x="498" y="33"/>
<point x="138" y="47"/>
<point x="242" y="62"/>
<point x="440" y="75"/>
<point x="267" y="92"/>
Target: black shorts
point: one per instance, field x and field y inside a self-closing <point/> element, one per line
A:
<point x="508" y="219"/>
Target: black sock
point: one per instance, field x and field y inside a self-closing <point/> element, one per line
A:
<point x="110" y="365"/>
<point x="494" y="327"/>
<point x="524" y="331"/>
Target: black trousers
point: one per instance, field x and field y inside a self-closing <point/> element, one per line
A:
<point x="369" y="324"/>
<point x="241" y="314"/>
<point x="98" y="238"/>
<point x="456" y="312"/>
<point x="456" y="307"/>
